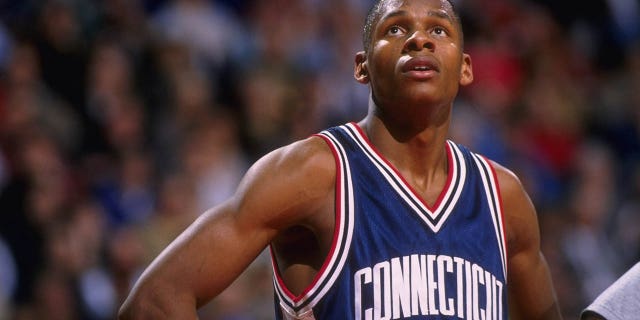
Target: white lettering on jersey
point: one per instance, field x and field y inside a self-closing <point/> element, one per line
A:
<point x="427" y="285"/>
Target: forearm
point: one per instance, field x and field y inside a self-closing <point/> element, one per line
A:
<point x="182" y="277"/>
<point x="156" y="303"/>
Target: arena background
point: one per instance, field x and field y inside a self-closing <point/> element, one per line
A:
<point x="122" y="120"/>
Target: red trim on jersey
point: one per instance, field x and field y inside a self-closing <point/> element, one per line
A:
<point x="504" y="227"/>
<point x="334" y="242"/>
<point x="444" y="190"/>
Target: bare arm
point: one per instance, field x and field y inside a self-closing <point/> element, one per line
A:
<point x="531" y="292"/>
<point x="281" y="190"/>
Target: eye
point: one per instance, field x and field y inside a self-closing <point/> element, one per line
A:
<point x="439" y="31"/>
<point x="394" y="30"/>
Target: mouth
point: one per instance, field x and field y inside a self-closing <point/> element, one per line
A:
<point x="420" y="67"/>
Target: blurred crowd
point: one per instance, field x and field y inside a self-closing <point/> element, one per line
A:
<point x="123" y="120"/>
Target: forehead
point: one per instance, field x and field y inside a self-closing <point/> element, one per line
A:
<point x="440" y="8"/>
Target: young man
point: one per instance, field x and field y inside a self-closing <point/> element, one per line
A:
<point x="379" y="219"/>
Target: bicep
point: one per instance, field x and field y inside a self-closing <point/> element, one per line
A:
<point x="531" y="292"/>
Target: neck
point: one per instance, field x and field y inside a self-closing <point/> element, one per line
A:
<point x="407" y="119"/>
<point x="413" y="143"/>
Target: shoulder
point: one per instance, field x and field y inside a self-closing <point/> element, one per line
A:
<point x="308" y="156"/>
<point x="510" y="187"/>
<point x="289" y="183"/>
<point x="510" y="184"/>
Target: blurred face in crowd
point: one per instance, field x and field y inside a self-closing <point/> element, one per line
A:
<point x="415" y="54"/>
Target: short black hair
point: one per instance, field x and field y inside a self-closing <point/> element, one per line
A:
<point x="376" y="12"/>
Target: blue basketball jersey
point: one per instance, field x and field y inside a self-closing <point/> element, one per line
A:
<point x="395" y="257"/>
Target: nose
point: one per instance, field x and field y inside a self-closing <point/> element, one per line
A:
<point x="419" y="40"/>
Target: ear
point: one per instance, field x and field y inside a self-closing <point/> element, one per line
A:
<point x="466" y="71"/>
<point x="360" y="71"/>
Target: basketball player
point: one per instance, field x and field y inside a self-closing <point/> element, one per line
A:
<point x="380" y="219"/>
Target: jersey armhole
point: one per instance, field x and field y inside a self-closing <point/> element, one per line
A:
<point x="299" y="304"/>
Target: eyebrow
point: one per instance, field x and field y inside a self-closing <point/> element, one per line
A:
<point x="441" y="14"/>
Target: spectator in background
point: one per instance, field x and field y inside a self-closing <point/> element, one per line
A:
<point x="109" y="85"/>
<point x="62" y="56"/>
<point x="30" y="102"/>
<point x="625" y="220"/>
<point x="213" y="160"/>
<point x="587" y="244"/>
<point x="209" y="30"/>
<point x="177" y="207"/>
<point x="33" y="202"/>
